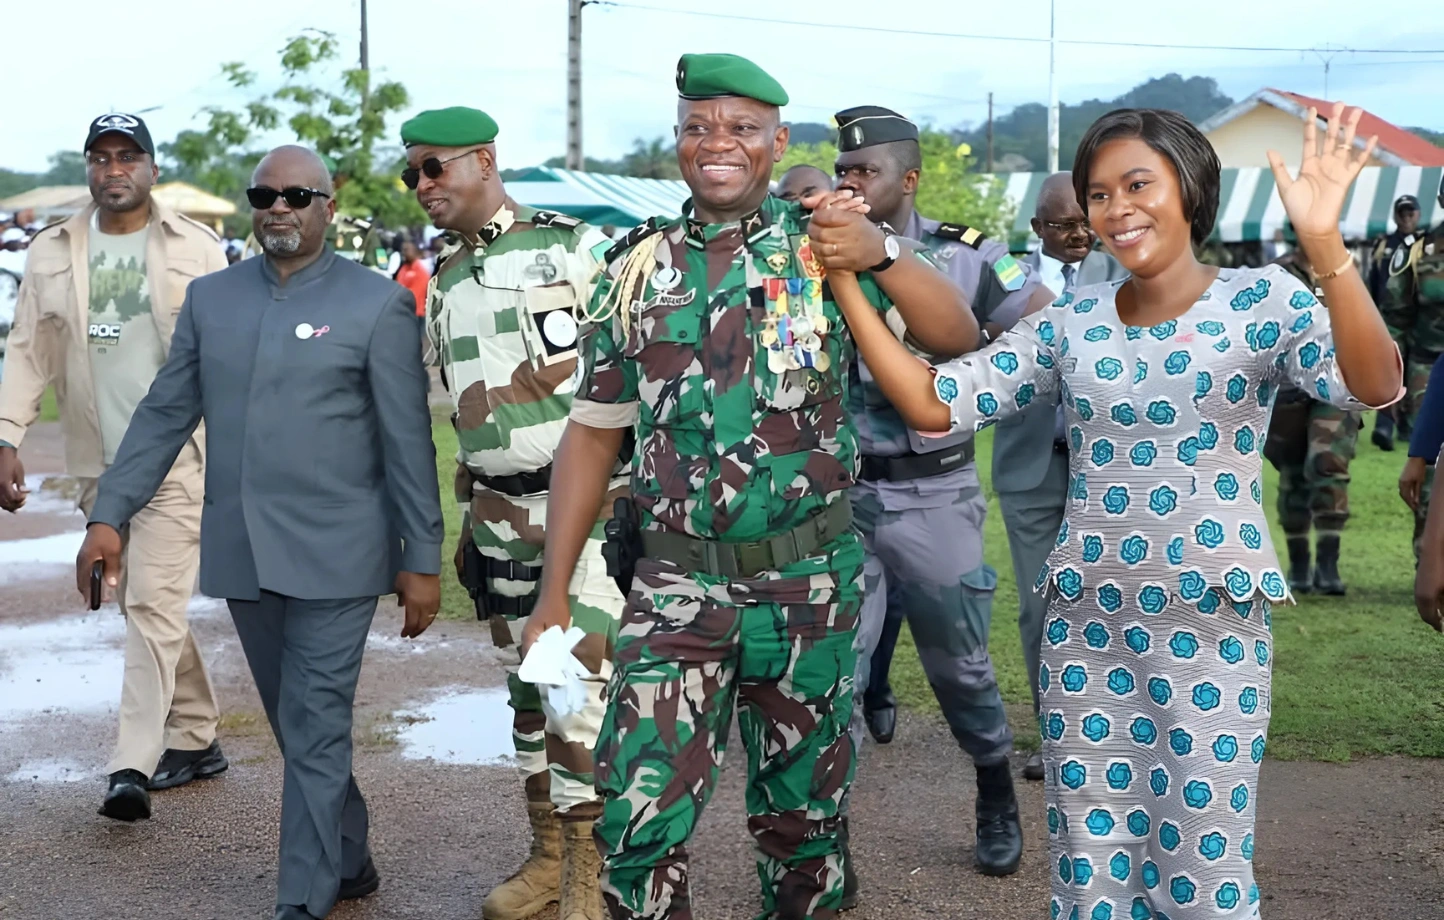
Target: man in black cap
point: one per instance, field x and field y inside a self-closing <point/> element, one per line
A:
<point x="123" y="263"/>
<point x="918" y="500"/>
<point x="1406" y="231"/>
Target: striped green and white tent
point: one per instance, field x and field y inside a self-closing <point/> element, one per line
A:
<point x="598" y="199"/>
<point x="1249" y="208"/>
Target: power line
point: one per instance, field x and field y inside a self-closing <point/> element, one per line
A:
<point x="1000" y="38"/>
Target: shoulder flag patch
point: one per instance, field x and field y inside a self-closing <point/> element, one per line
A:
<point x="1010" y="273"/>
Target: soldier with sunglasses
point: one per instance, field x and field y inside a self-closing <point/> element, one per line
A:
<point x="503" y="318"/>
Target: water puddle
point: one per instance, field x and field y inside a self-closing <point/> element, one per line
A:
<point x="70" y="664"/>
<point x="462" y="726"/>
<point x="39" y="557"/>
<point x="49" y="772"/>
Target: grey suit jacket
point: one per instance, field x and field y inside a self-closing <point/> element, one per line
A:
<point x="1023" y="443"/>
<point x="320" y="470"/>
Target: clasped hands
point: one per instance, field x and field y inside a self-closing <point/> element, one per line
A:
<point x="843" y="238"/>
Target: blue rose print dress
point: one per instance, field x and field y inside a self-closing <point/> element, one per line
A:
<point x="1156" y="658"/>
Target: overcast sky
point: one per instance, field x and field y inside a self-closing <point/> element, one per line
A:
<point x="509" y="57"/>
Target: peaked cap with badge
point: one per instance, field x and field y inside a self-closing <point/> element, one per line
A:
<point x="869" y="125"/>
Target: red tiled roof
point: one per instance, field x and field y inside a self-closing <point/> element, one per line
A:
<point x="1392" y="138"/>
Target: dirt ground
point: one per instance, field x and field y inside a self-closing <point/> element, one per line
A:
<point x="1335" y="842"/>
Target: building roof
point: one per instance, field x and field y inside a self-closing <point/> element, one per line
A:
<point x="63" y="200"/>
<point x="1397" y="147"/>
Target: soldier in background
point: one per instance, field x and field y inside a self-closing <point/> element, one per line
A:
<point x="1399" y="320"/>
<point x="1416" y="287"/>
<point x="1311" y="444"/>
<point x="503" y="315"/>
<point x="802" y="181"/>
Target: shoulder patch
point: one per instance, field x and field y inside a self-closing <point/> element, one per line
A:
<point x="634" y="236"/>
<point x="195" y="223"/>
<point x="555" y="219"/>
<point x="963" y="234"/>
<point x="1010" y="274"/>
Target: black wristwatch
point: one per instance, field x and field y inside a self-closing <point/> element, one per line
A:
<point x="892" y="250"/>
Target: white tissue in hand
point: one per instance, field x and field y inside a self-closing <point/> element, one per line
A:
<point x="551" y="666"/>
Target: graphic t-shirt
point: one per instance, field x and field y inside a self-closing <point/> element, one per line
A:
<point x="125" y="346"/>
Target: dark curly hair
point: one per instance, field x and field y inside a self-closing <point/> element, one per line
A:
<point x="1175" y="139"/>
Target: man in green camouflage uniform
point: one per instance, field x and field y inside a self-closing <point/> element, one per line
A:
<point x="1406" y="226"/>
<point x="1311" y="444"/>
<point x="716" y="340"/>
<point x="502" y="317"/>
<point x="1416" y="285"/>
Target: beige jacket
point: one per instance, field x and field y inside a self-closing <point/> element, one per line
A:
<point x="49" y="341"/>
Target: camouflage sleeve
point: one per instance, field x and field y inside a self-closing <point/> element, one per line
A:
<point x="1004" y="287"/>
<point x="1006" y="377"/>
<point x="1293" y="330"/>
<point x="606" y="379"/>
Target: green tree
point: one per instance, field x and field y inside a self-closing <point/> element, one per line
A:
<point x="342" y="116"/>
<point x="655" y="159"/>
<point x="949" y="188"/>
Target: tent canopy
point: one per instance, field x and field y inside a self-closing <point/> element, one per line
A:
<point x="598" y="199"/>
<point x="52" y="201"/>
<point x="1249" y="208"/>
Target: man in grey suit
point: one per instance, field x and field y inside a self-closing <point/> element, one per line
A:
<point x="321" y="494"/>
<point x="1030" y="451"/>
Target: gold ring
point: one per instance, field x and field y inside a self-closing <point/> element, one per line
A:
<point x="832" y="249"/>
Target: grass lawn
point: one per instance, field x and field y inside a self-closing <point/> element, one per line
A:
<point x="1353" y="676"/>
<point x="48" y="410"/>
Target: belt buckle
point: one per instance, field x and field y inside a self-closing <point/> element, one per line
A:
<point x="754" y="558"/>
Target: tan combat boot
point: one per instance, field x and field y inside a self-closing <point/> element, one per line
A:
<point x="536" y="884"/>
<point x="581" y="870"/>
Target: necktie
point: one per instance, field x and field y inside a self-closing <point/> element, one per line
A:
<point x="1070" y="276"/>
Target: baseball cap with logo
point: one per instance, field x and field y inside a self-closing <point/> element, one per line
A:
<point x="117" y="123"/>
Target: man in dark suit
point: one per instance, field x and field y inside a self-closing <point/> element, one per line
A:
<point x="321" y="494"/>
<point x="1030" y="454"/>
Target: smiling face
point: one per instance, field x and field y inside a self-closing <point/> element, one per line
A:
<point x="457" y="199"/>
<point x="1060" y="223"/>
<point x="726" y="148"/>
<point x="1136" y="206"/>
<point x="120" y="174"/>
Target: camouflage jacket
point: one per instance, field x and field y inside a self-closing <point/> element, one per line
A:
<point x="739" y="409"/>
<point x="502" y="318"/>
<point x="1416" y="286"/>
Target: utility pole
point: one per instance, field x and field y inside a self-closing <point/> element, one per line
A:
<point x="1052" y="88"/>
<point x="365" y="59"/>
<point x="990" y="132"/>
<point x="574" y="85"/>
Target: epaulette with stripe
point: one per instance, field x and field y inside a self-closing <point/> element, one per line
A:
<point x="961" y="233"/>
<point x="555" y="219"/>
<point x="634" y="236"/>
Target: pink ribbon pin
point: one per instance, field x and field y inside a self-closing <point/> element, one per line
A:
<point x="320" y="332"/>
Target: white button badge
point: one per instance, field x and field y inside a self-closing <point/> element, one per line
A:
<point x="304" y="331"/>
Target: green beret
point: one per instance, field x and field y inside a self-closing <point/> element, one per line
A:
<point x="458" y="126"/>
<point x="710" y="76"/>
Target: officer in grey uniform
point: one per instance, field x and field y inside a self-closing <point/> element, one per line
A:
<point x="919" y="503"/>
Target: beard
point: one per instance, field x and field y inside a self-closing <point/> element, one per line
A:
<point x="281" y="241"/>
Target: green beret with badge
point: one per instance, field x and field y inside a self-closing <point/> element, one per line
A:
<point x="869" y="125"/>
<point x="457" y="126"/>
<point x="714" y="76"/>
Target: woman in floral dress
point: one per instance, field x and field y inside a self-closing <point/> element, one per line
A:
<point x="1156" y="660"/>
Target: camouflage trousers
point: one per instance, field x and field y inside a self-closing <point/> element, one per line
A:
<point x="690" y="647"/>
<point x="1316" y="492"/>
<point x="930" y="546"/>
<point x="554" y="751"/>
<point x="1417" y="366"/>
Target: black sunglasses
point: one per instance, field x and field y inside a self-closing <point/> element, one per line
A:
<point x="432" y="167"/>
<point x="261" y="198"/>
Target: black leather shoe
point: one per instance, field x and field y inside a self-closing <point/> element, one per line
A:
<point x="881" y="723"/>
<point x="1033" y="769"/>
<point x="176" y="768"/>
<point x="849" y="871"/>
<point x="363" y="884"/>
<point x="1000" y="833"/>
<point x="126" y="799"/>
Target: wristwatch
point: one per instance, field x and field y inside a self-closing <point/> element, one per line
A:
<point x="891" y="249"/>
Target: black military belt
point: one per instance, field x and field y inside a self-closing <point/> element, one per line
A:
<point x="519" y="484"/>
<point x="916" y="466"/>
<point x="510" y="607"/>
<point x="513" y="571"/>
<point x="745" y="560"/>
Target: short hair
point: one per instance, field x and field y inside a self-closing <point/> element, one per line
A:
<point x="1171" y="136"/>
<point x="907" y="154"/>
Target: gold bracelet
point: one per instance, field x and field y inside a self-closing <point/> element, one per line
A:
<point x="1348" y="264"/>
